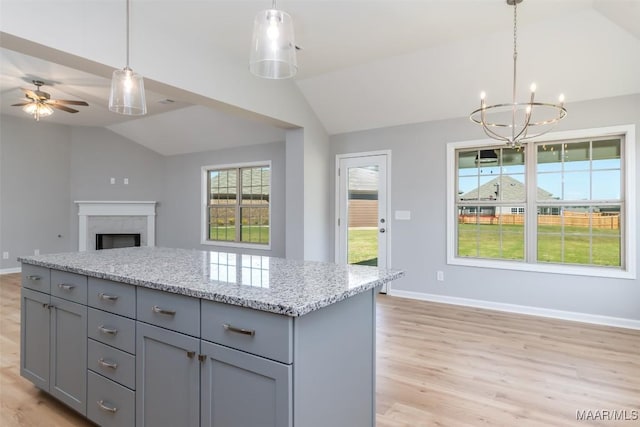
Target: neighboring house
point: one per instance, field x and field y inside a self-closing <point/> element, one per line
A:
<point x="501" y="189"/>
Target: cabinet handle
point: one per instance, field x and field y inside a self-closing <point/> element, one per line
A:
<point x="202" y="357"/>
<point x="106" y="364"/>
<point x="107" y="331"/>
<point x="48" y="306"/>
<point x="107" y="297"/>
<point x="64" y="287"/>
<point x="33" y="277"/>
<point x="242" y="331"/>
<point x="191" y="354"/>
<point x="106" y="408"/>
<point x="160" y="310"/>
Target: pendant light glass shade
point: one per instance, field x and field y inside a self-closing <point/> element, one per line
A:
<point x="273" y="49"/>
<point x="127" y="93"/>
<point x="127" y="87"/>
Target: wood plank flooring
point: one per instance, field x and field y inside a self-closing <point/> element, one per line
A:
<point x="438" y="365"/>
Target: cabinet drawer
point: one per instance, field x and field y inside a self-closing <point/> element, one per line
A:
<point x="69" y="286"/>
<point x="117" y="331"/>
<point x="257" y="332"/>
<point x="108" y="403"/>
<point x="36" y="277"/>
<point x="114" y="297"/>
<point x="176" y="312"/>
<point x="112" y="363"/>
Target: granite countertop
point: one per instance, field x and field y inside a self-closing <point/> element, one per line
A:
<point x="276" y="285"/>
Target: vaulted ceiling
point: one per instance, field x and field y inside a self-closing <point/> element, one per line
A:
<point x="363" y="64"/>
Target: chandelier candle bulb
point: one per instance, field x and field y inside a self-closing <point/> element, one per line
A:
<point x="533" y="87"/>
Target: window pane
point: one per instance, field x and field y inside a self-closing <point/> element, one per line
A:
<point x="255" y="225"/>
<point x="606" y="185"/>
<point x="576" y="186"/>
<point x="606" y="154"/>
<point x="606" y="251"/>
<point x="486" y="233"/>
<point x="549" y="157"/>
<point x="576" y="156"/>
<point x="468" y="188"/>
<point x="512" y="189"/>
<point x="222" y="223"/>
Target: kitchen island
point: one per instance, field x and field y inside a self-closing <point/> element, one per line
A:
<point x="171" y="337"/>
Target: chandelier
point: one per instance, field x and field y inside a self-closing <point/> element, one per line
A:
<point x="516" y="123"/>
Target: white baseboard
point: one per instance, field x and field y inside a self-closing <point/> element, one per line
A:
<point x="522" y="309"/>
<point x="10" y="270"/>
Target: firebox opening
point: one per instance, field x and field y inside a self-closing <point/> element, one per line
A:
<point x="120" y="240"/>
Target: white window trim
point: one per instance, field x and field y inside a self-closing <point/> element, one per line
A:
<point x="204" y="201"/>
<point x="629" y="170"/>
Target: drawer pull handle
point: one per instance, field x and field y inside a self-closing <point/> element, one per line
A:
<point x="107" y="297"/>
<point x="106" y="408"/>
<point x="106" y="364"/>
<point x="160" y="310"/>
<point x="34" y="278"/>
<point x="242" y="331"/>
<point x="191" y="354"/>
<point x="107" y="331"/>
<point x="64" y="287"/>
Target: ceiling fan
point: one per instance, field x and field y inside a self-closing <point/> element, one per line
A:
<point x="40" y="104"/>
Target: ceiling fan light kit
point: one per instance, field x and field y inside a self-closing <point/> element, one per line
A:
<point x="273" y="48"/>
<point x="516" y="123"/>
<point x="41" y="105"/>
<point x="127" y="87"/>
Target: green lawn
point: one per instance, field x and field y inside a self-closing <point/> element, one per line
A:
<point x="250" y="233"/>
<point x="363" y="246"/>
<point x="485" y="241"/>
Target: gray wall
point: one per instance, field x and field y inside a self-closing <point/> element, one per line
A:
<point x="418" y="246"/>
<point x="34" y="188"/>
<point x="98" y="154"/>
<point x="179" y="225"/>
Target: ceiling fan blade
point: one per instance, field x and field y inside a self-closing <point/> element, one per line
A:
<point x="67" y="101"/>
<point x="30" y="94"/>
<point x="63" y="108"/>
<point x="22" y="104"/>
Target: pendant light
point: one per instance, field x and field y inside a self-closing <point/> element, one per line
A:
<point x="127" y="87"/>
<point x="519" y="122"/>
<point x="273" y="49"/>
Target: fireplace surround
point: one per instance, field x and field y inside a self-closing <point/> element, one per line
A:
<point x="115" y="217"/>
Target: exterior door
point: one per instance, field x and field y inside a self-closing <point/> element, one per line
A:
<point x="362" y="227"/>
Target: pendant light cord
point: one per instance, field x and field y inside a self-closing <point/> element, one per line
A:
<point x="515" y="58"/>
<point x="128" y="7"/>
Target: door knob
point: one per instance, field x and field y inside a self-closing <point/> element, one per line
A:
<point x="382" y="230"/>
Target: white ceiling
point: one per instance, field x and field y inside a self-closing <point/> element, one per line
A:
<point x="364" y="64"/>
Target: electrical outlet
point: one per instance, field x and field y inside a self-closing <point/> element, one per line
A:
<point x="440" y="276"/>
<point x="125" y="181"/>
<point x="5" y="255"/>
<point x="112" y="180"/>
<point x="36" y="251"/>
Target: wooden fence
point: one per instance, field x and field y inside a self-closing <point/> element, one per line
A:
<point x="570" y="219"/>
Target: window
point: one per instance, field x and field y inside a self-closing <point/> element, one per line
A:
<point x="563" y="204"/>
<point x="236" y="205"/>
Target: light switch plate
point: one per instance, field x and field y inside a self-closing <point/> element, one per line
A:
<point x="403" y="215"/>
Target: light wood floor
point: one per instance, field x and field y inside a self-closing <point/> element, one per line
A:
<point x="438" y="365"/>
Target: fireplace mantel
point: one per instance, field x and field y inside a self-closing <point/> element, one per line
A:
<point x="91" y="208"/>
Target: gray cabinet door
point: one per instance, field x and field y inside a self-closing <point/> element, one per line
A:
<point x="167" y="378"/>
<point x="240" y="389"/>
<point x="34" y="344"/>
<point x="69" y="353"/>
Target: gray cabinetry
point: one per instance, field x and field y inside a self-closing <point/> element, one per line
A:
<point x="240" y="389"/>
<point x="68" y="353"/>
<point x="167" y="378"/>
<point x="34" y="343"/>
<point x="54" y="346"/>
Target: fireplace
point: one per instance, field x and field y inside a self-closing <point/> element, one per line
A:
<point x="117" y="240"/>
<point x="121" y="218"/>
